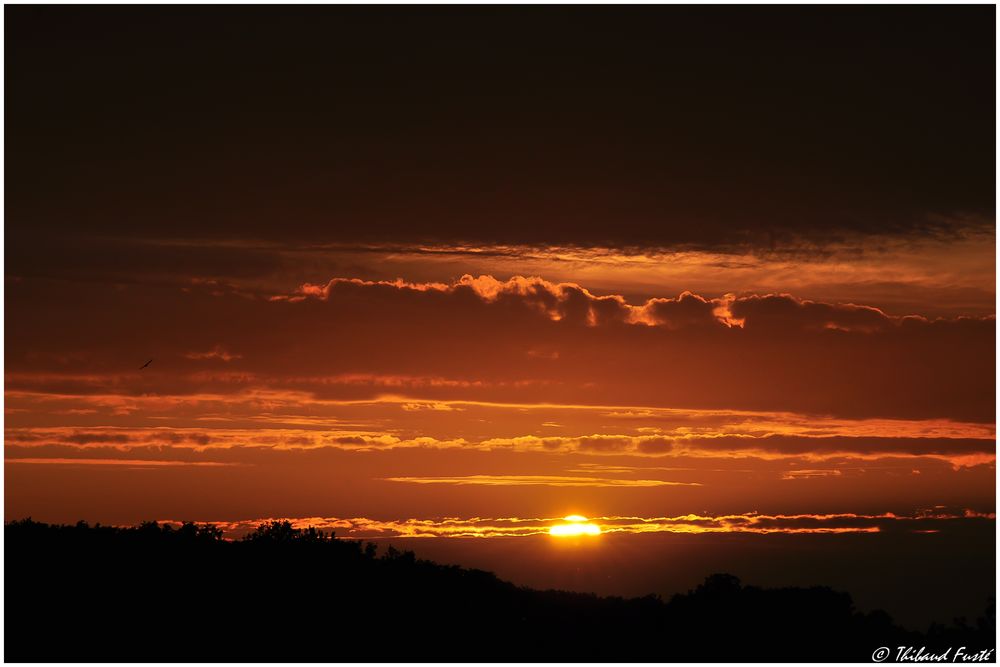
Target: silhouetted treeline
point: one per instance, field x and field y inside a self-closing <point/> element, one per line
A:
<point x="154" y="592"/>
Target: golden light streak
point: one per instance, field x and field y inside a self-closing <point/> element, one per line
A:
<point x="538" y="480"/>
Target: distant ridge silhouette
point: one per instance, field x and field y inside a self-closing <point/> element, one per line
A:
<point x="154" y="592"/>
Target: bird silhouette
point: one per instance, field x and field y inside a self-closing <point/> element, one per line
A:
<point x="145" y="364"/>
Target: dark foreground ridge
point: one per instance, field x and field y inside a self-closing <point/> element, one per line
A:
<point x="159" y="593"/>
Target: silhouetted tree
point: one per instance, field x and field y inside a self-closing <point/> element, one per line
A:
<point x="254" y="598"/>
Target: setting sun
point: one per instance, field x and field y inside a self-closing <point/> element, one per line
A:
<point x="576" y="525"/>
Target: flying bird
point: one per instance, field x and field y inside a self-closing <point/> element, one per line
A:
<point x="145" y="364"/>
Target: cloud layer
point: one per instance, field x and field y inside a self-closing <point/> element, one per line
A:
<point x="519" y="340"/>
<point x="453" y="527"/>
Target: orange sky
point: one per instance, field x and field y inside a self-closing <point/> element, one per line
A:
<point x="489" y="397"/>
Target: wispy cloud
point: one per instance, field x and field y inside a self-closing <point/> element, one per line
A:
<point x="538" y="480"/>
<point x="738" y="441"/>
<point x="751" y="522"/>
<point x="808" y="474"/>
<point x="217" y="352"/>
<point x="131" y="463"/>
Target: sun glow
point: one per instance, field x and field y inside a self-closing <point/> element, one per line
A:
<point x="575" y="525"/>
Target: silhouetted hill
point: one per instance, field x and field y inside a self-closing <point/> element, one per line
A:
<point x="158" y="593"/>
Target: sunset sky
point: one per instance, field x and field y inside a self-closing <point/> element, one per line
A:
<point x="721" y="280"/>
